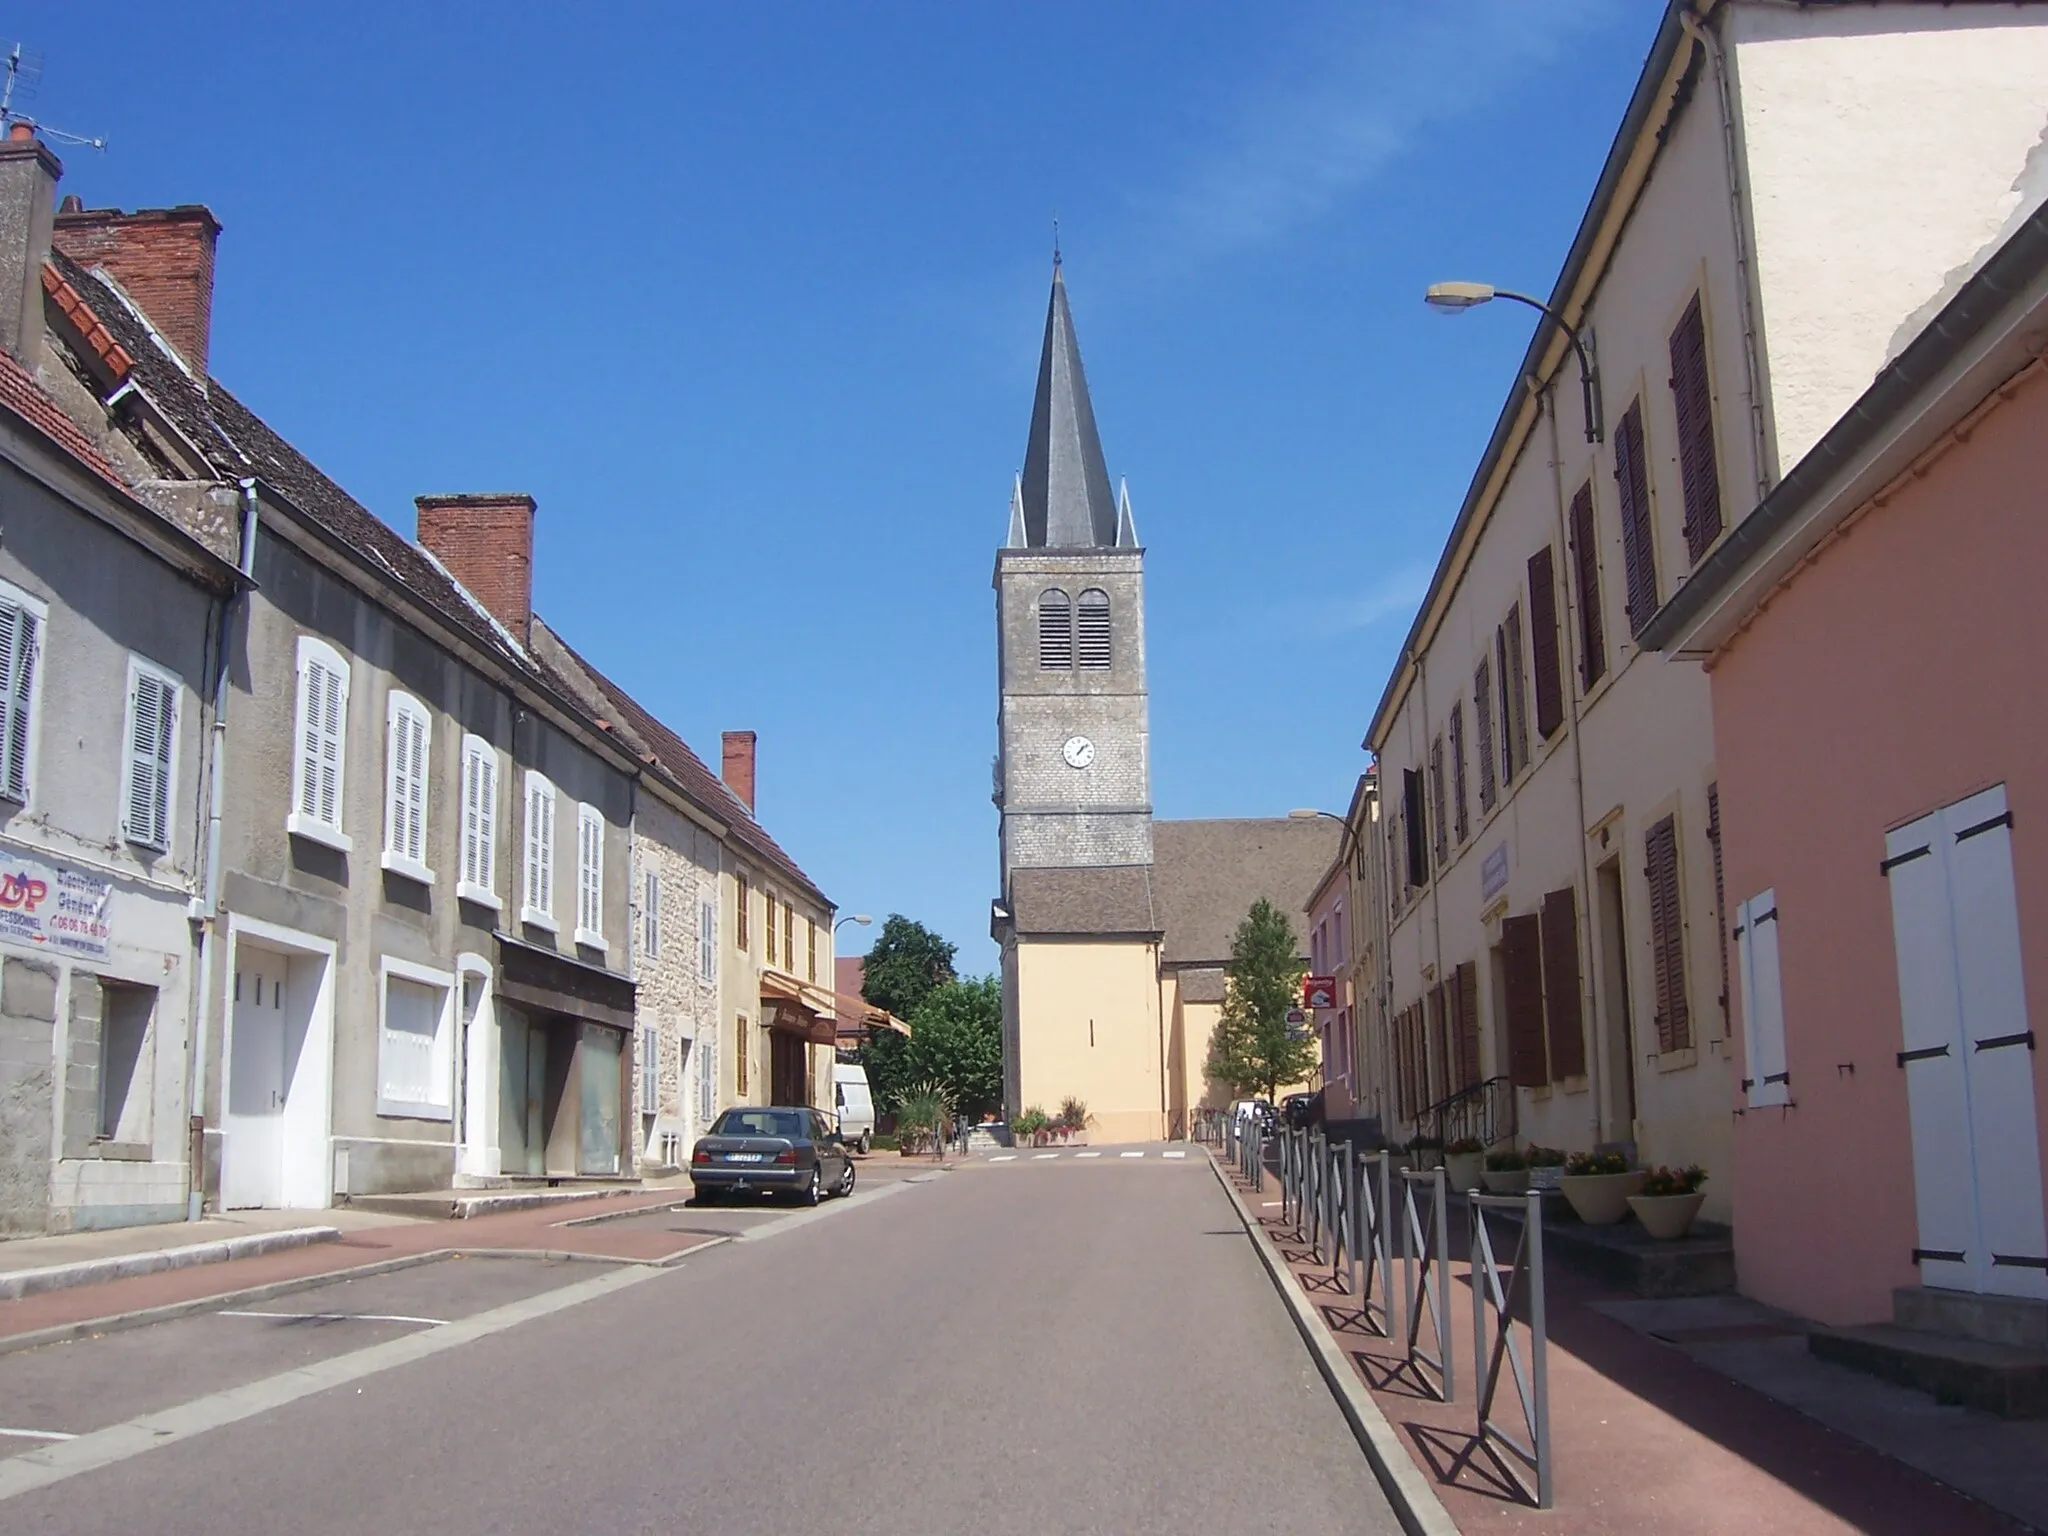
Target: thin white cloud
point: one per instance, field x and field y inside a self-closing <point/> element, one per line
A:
<point x="1393" y="596"/>
<point x="1357" y="89"/>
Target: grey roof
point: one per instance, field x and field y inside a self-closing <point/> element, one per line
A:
<point x="1207" y="874"/>
<point x="1093" y="899"/>
<point x="1067" y="502"/>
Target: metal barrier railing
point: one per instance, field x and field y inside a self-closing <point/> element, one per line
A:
<point x="1372" y="1250"/>
<point x="1494" y="1304"/>
<point x="1430" y="1242"/>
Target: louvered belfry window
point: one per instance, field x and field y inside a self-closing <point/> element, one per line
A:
<point x="1543" y="643"/>
<point x="1667" y="936"/>
<point x="151" y="748"/>
<point x="1055" y="629"/>
<point x="21" y="634"/>
<point x="1632" y="489"/>
<point x="1094" y="630"/>
<point x="1586" y="563"/>
<point x="1482" y="718"/>
<point x="1692" y="395"/>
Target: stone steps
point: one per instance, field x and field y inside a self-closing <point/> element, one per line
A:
<point x="1996" y="1378"/>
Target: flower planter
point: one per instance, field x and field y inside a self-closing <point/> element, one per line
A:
<point x="1464" y="1169"/>
<point x="1506" y="1181"/>
<point x="1601" y="1199"/>
<point x="1666" y="1217"/>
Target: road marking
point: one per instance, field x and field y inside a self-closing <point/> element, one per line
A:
<point x="1041" y="1157"/>
<point x="1087" y="1154"/>
<point x="1130" y="1154"/>
<point x="1173" y="1154"/>
<point x="35" y="1434"/>
<point x="104" y="1447"/>
<point x="1007" y="1157"/>
<point x="342" y="1317"/>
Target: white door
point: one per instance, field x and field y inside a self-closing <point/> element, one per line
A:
<point x="252" y="1155"/>
<point x="1968" y="1053"/>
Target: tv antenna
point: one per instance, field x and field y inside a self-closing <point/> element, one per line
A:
<point x="24" y="73"/>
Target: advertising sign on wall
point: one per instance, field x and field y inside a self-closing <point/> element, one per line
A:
<point x="51" y="907"/>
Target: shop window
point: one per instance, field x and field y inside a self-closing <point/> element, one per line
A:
<point x="414" y="1079"/>
<point x="125" y="1014"/>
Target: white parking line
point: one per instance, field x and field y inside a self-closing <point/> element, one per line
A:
<point x="1173" y="1154"/>
<point x="35" y="1434"/>
<point x="342" y="1317"/>
<point x="1087" y="1154"/>
<point x="1005" y="1157"/>
<point x="1040" y="1157"/>
<point x="1130" y="1154"/>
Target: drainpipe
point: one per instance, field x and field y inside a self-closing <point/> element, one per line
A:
<point x="208" y="915"/>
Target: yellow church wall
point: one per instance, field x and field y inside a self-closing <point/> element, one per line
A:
<point x="1089" y="1028"/>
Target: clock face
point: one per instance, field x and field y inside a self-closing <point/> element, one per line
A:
<point x="1079" y="751"/>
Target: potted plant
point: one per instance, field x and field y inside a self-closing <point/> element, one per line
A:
<point x="1030" y="1126"/>
<point x="1546" y="1166"/>
<point x="920" y="1119"/>
<point x="1073" y="1120"/>
<point x="1598" y="1185"/>
<point x="1425" y="1152"/>
<point x="1465" y="1162"/>
<point x="1506" y="1173"/>
<point x="1668" y="1202"/>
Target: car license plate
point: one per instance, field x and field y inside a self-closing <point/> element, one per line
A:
<point x="743" y="1157"/>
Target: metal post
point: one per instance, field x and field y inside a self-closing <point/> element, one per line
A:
<point x="1489" y="1294"/>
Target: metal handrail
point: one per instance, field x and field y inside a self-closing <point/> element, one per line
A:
<point x="1484" y="1112"/>
<point x="1432" y="1244"/>
<point x="1495" y="1302"/>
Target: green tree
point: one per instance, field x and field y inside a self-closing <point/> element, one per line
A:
<point x="905" y="965"/>
<point x="956" y="1041"/>
<point x="1251" y="1051"/>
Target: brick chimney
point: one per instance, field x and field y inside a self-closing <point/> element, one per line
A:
<point x="486" y="540"/>
<point x="162" y="258"/>
<point x="737" y="767"/>
<point x="28" y="188"/>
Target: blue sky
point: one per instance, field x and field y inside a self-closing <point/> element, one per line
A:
<point x="750" y="298"/>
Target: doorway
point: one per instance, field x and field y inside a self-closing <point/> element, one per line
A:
<point x="1619" y="1034"/>
<point x="789" y="1068"/>
<point x="275" y="1097"/>
<point x="525" y="1107"/>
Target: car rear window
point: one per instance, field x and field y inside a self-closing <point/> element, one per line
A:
<point x="760" y="1122"/>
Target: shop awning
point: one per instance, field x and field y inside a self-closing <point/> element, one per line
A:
<point x="857" y="1016"/>
<point x="798" y="1007"/>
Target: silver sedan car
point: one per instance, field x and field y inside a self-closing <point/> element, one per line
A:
<point x="778" y="1150"/>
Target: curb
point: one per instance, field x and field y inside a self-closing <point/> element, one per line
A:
<point x="58" y="1277"/>
<point x="1414" y="1501"/>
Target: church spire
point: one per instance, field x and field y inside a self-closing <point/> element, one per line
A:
<point x="1066" y="495"/>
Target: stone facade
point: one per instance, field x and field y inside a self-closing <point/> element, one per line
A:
<point x="678" y="998"/>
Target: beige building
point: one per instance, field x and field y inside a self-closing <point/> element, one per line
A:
<point x="1551" y="832"/>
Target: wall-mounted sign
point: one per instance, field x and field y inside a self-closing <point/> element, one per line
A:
<point x="1318" y="991"/>
<point x="51" y="907"/>
<point x="1493" y="872"/>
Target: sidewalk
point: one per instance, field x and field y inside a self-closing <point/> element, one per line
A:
<point x="1646" y="1436"/>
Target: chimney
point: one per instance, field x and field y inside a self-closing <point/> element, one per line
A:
<point x="486" y="541"/>
<point x="28" y="188"/>
<point x="737" y="768"/>
<point x="162" y="258"/>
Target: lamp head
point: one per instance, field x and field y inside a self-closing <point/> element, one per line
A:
<point x="1452" y="297"/>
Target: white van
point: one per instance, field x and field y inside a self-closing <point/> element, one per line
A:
<point x="853" y="1105"/>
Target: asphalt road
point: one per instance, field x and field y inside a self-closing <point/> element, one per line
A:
<point x="1022" y="1348"/>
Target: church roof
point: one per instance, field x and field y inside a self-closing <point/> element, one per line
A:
<point x="1207" y="874"/>
<point x="1091" y="899"/>
<point x="1064" y="496"/>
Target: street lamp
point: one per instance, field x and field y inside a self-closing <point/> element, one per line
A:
<point x="855" y="917"/>
<point x="1453" y="297"/>
<point x="1305" y="813"/>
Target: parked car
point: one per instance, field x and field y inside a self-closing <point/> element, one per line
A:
<point x="1254" y="1112"/>
<point x="778" y="1150"/>
<point x="1302" y="1109"/>
<point x="855" y="1105"/>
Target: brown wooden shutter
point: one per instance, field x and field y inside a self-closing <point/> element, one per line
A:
<point x="1521" y="950"/>
<point x="1436" y="1049"/>
<point x="1720" y="896"/>
<point x="1461" y="819"/>
<point x="1482" y="718"/>
<point x="1667" y="936"/>
<point x="1562" y="1003"/>
<point x="1586" y="561"/>
<point x="1514" y="691"/>
<point x="1466" y="982"/>
<point x="1543" y="643"/>
<point x="1691" y="394"/>
<point x="1632" y="482"/>
<point x="1440" y="821"/>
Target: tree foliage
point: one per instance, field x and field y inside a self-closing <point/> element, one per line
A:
<point x="956" y="1041"/>
<point x="906" y="964"/>
<point x="1251" y="1051"/>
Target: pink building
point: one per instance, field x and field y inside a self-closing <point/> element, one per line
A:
<point x="1878" y="648"/>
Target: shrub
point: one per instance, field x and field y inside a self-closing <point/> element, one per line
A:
<point x="1685" y="1181"/>
<point x="1465" y="1146"/>
<point x="1586" y="1164"/>
<point x="1508" y="1160"/>
<point x="1030" y="1122"/>
<point x="1545" y="1157"/>
<point x="1073" y="1115"/>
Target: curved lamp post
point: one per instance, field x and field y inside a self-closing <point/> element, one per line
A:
<point x="853" y="917"/>
<point x="1453" y="297"/>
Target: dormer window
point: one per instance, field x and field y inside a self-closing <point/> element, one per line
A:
<point x="1055" y="629"/>
<point x="1094" y="630"/>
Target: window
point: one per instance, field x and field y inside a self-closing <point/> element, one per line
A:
<point x="405" y="796"/>
<point x="478" y="880"/>
<point x="707" y="1076"/>
<point x="1482" y="720"/>
<point x="537" y="906"/>
<point x="151" y="756"/>
<point x="739" y="1059"/>
<point x="1461" y="822"/>
<point x="811" y="944"/>
<point x="1514" y="719"/>
<point x="322" y="729"/>
<point x="21" y="650"/>
<point x="1638" y="545"/>
<point x="589" y="877"/>
<point x="1586" y="563"/>
<point x="125" y="1012"/>
<point x="1055" y="629"/>
<point x="414" y="1076"/>
<point x="1667" y="937"/>
<point x="650" y="915"/>
<point x="768" y="928"/>
<point x="1411" y="815"/>
<point x="1720" y="897"/>
<point x="789" y="938"/>
<point x="647" y="1061"/>
<point x="1562" y="1001"/>
<point x="1521" y="974"/>
<point x="1765" y="1079"/>
<point x="1440" y="823"/>
<point x="1543" y="643"/>
<point x="741" y="902"/>
<point x="707" y="942"/>
<point x="1692" y="396"/>
<point x="1094" y="630"/>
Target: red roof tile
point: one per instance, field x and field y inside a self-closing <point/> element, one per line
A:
<point x="20" y="393"/>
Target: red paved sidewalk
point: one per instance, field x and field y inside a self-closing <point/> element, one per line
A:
<point x="1645" y="1438"/>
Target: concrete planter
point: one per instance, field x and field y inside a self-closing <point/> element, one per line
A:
<point x="1601" y="1199"/>
<point x="1666" y="1217"/>
<point x="1506" y="1181"/>
<point x="1548" y="1177"/>
<point x="1465" y="1170"/>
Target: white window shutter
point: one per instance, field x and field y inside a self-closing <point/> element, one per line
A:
<point x="152" y="706"/>
<point x="589" y="869"/>
<point x="540" y="845"/>
<point x="472" y="814"/>
<point x="327" y="699"/>
<point x="650" y="916"/>
<point x="1765" y="1080"/>
<point x="418" y="733"/>
<point x="18" y="641"/>
<point x="707" y="942"/>
<point x="650" y="1070"/>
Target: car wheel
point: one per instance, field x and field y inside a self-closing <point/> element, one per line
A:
<point x="867" y="1139"/>
<point x="845" y="1186"/>
<point x="814" y="1191"/>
